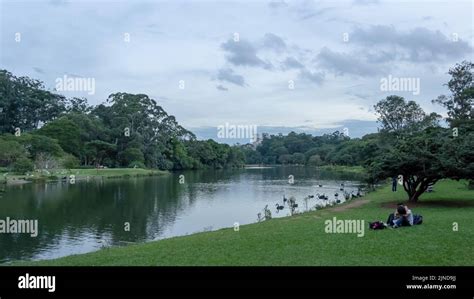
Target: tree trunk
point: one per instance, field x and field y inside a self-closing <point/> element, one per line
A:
<point x="416" y="186"/>
<point x="414" y="197"/>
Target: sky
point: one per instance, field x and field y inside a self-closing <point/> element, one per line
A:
<point x="307" y="66"/>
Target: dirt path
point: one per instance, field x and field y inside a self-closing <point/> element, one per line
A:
<point x="353" y="204"/>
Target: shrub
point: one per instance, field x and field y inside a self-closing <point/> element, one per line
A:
<point x="315" y="160"/>
<point x="44" y="161"/>
<point x="22" y="165"/>
<point x="136" y="164"/>
<point x="470" y="186"/>
<point x="69" y="162"/>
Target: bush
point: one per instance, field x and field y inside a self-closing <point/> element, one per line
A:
<point x="22" y="165"/>
<point x="470" y="186"/>
<point x="69" y="162"/>
<point x="44" y="161"/>
<point x="131" y="155"/>
<point x="315" y="160"/>
<point x="165" y="164"/>
<point x="297" y="158"/>
<point x="10" y="151"/>
<point x="138" y="164"/>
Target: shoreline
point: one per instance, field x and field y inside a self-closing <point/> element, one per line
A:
<point x="62" y="175"/>
<point x="300" y="240"/>
<point x="354" y="203"/>
<point x="82" y="174"/>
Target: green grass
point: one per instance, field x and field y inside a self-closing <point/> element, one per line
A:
<point x="301" y="240"/>
<point x="342" y="168"/>
<point x="115" y="172"/>
<point x="84" y="173"/>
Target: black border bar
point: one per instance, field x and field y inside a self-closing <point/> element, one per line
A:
<point x="239" y="282"/>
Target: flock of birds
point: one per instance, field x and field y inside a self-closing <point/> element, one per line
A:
<point x="323" y="200"/>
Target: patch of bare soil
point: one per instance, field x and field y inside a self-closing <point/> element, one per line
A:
<point x="353" y="204"/>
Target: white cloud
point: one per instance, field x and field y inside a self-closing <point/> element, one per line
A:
<point x="245" y="81"/>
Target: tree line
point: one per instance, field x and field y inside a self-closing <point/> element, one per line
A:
<point x="44" y="130"/>
<point x="417" y="147"/>
<point x="41" y="129"/>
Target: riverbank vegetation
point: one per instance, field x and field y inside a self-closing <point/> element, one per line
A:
<point x="412" y="146"/>
<point x="72" y="175"/>
<point x="42" y="130"/>
<point x="301" y="240"/>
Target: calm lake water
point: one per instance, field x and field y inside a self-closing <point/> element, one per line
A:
<point x="86" y="216"/>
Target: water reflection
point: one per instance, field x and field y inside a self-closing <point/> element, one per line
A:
<point x="89" y="215"/>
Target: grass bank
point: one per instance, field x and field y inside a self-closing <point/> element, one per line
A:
<point x="342" y="168"/>
<point x="301" y="239"/>
<point x="80" y="174"/>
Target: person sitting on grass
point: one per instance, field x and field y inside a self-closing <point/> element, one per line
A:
<point x="403" y="216"/>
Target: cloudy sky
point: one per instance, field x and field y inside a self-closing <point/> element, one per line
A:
<point x="312" y="66"/>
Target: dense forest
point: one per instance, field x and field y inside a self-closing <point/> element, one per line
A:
<point x="126" y="131"/>
<point x="305" y="149"/>
<point x="40" y="129"/>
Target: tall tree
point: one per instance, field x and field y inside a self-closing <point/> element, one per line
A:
<point x="139" y="122"/>
<point x="460" y="104"/>
<point x="66" y="132"/>
<point x="407" y="147"/>
<point x="399" y="116"/>
<point x="419" y="159"/>
<point x="24" y="103"/>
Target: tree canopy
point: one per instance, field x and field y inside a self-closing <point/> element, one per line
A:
<point x="127" y="130"/>
<point x="132" y="130"/>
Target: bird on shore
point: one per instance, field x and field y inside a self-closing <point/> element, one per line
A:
<point x="336" y="194"/>
<point x="284" y="199"/>
<point x="292" y="203"/>
<point x="324" y="197"/>
<point x="279" y="207"/>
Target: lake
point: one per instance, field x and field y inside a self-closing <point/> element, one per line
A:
<point x="89" y="215"/>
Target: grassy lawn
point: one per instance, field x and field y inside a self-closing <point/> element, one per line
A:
<point x="301" y="240"/>
<point x="115" y="172"/>
<point x="342" y="168"/>
<point x="83" y="173"/>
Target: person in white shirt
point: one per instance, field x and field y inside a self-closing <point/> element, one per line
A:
<point x="403" y="216"/>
